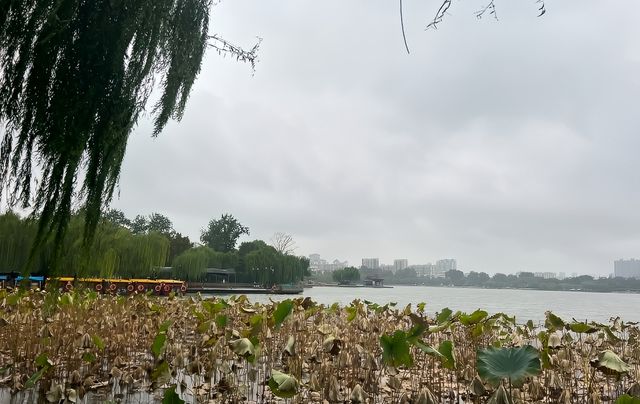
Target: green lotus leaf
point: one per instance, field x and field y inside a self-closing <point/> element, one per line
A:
<point x="610" y="363"/>
<point x="159" y="344"/>
<point x="419" y="327"/>
<point x="581" y="328"/>
<point x="98" y="342"/>
<point x="444" y="316"/>
<point x="473" y="318"/>
<point x="448" y="354"/>
<point x="282" y="311"/>
<point x="88" y="357"/>
<point x="395" y="349"/>
<point x="553" y="322"/>
<point x="352" y="313"/>
<point x="221" y="320"/>
<point x="627" y="399"/>
<point x="283" y="385"/>
<point x="496" y="364"/>
<point x="164" y="327"/>
<point x="161" y="374"/>
<point x="610" y="335"/>
<point x="171" y="397"/>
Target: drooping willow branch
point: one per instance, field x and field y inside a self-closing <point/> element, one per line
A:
<point x="75" y="75"/>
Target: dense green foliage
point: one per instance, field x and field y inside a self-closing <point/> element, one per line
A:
<point x="190" y="265"/>
<point x="346" y="275"/>
<point x="115" y="250"/>
<point x="74" y="78"/>
<point x="363" y="352"/>
<point x="122" y="249"/>
<point x="254" y="262"/>
<point x="223" y="234"/>
<point x="525" y="280"/>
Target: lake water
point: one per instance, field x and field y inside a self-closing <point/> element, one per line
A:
<point x="524" y="304"/>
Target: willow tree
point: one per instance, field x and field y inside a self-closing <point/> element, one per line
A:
<point x="75" y="76"/>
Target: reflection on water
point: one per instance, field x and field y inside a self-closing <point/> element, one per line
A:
<point x="524" y="304"/>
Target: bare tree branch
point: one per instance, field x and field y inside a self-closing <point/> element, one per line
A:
<point x="491" y="8"/>
<point x="283" y="243"/>
<point x="225" y="47"/>
<point x="444" y="7"/>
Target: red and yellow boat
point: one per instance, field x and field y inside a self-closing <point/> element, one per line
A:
<point x="123" y="286"/>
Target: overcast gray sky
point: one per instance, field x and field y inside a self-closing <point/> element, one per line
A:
<point x="509" y="145"/>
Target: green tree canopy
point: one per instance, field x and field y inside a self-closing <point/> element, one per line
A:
<point x="160" y="224"/>
<point x="74" y="77"/>
<point x="222" y="234"/>
<point x="346" y="275"/>
<point x="117" y="217"/>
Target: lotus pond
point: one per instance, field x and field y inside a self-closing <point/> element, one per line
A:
<point x="85" y="347"/>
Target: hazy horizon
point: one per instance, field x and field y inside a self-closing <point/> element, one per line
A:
<point x="509" y="145"/>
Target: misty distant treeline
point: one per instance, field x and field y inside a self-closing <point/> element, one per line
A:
<point x="524" y="280"/>
<point x="138" y="247"/>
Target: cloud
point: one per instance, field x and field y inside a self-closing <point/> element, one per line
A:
<point x="508" y="145"/>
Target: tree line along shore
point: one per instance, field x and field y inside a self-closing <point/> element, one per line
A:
<point x="138" y="247"/>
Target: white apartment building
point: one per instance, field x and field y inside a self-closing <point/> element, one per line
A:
<point x="371" y="263"/>
<point x="627" y="268"/>
<point x="400" y="264"/>
<point x="442" y="266"/>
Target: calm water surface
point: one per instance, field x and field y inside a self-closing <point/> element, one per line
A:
<point x="524" y="304"/>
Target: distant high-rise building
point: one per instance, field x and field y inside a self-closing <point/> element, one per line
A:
<point x="400" y="264"/>
<point x="442" y="266"/>
<point x="561" y="275"/>
<point x="627" y="268"/>
<point x="316" y="263"/>
<point x="371" y="263"/>
<point x="425" y="270"/>
<point x="545" y="275"/>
